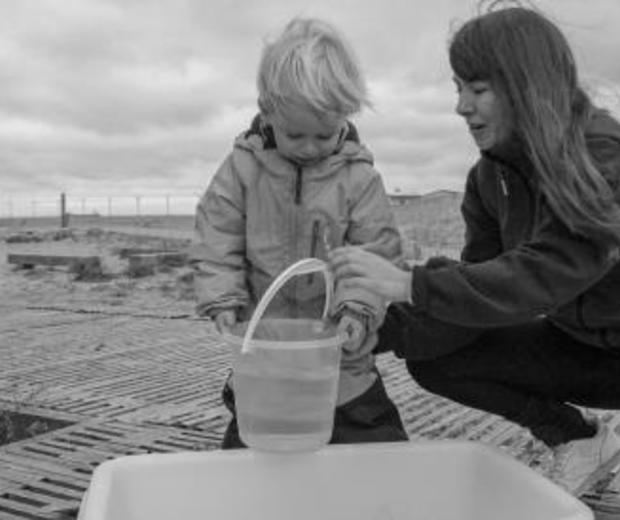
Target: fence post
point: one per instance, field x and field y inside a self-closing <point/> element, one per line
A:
<point x="64" y="216"/>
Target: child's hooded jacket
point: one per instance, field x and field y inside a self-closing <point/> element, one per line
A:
<point x="261" y="213"/>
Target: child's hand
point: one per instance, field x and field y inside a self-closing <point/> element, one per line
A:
<point x="355" y="331"/>
<point x="225" y="320"/>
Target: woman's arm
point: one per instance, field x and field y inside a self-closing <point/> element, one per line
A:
<point x="512" y="287"/>
<point x="531" y="280"/>
<point x="355" y="268"/>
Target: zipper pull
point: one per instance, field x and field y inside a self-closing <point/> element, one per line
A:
<point x="502" y="181"/>
<point x="314" y="242"/>
<point x="326" y="237"/>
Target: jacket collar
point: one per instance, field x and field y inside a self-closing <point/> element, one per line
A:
<point x="265" y="132"/>
<point x="259" y="141"/>
<point x="511" y="154"/>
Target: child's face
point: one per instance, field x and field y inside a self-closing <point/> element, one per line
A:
<point x="302" y="137"/>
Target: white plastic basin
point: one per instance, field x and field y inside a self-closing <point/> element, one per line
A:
<point x="438" y="480"/>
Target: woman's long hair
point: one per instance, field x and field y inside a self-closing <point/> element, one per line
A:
<point x="528" y="62"/>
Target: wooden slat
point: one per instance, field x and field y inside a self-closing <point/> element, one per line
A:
<point x="136" y="385"/>
<point x="83" y="264"/>
<point x="51" y="471"/>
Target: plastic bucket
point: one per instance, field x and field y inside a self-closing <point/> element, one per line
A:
<point x="285" y="374"/>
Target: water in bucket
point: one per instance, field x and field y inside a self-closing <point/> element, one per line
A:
<point x="286" y="389"/>
<point x="285" y="374"/>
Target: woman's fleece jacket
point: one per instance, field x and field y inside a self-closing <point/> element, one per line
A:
<point x="520" y="262"/>
<point x="261" y="213"/>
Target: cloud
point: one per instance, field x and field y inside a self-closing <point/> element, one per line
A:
<point x="143" y="96"/>
<point x="419" y="142"/>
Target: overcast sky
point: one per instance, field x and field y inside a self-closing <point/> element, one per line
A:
<point x="111" y="97"/>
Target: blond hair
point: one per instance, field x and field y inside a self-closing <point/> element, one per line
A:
<point x="311" y="66"/>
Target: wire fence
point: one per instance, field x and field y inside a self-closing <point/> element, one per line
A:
<point x="117" y="205"/>
<point x="95" y="205"/>
<point x="430" y="225"/>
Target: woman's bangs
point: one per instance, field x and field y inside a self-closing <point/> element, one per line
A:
<point x="469" y="55"/>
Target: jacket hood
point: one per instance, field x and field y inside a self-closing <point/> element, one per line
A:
<point x="259" y="141"/>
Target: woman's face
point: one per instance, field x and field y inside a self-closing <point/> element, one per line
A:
<point x="483" y="112"/>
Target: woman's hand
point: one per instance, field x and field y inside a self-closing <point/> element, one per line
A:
<point x="354" y="267"/>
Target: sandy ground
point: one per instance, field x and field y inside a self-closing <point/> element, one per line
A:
<point x="118" y="343"/>
<point x="169" y="290"/>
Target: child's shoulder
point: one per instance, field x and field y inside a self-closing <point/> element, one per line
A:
<point x="358" y="162"/>
<point x="355" y="153"/>
<point x="362" y="172"/>
<point x="242" y="157"/>
<point x="243" y="161"/>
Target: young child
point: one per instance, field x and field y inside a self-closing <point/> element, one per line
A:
<point x="296" y="183"/>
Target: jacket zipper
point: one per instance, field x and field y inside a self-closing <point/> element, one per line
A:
<point x="298" y="186"/>
<point x="532" y="193"/>
<point x="297" y="200"/>
<point x="314" y="242"/>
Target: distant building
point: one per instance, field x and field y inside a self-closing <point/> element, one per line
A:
<point x="449" y="199"/>
<point x="400" y="199"/>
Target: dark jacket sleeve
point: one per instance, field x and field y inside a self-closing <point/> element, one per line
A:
<point x="517" y="285"/>
<point x="415" y="335"/>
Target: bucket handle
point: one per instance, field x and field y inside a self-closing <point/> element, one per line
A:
<point x="304" y="266"/>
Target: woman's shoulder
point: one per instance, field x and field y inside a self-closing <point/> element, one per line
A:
<point x="603" y="128"/>
<point x="603" y="141"/>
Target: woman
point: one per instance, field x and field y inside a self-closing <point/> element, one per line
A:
<point x="527" y="324"/>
